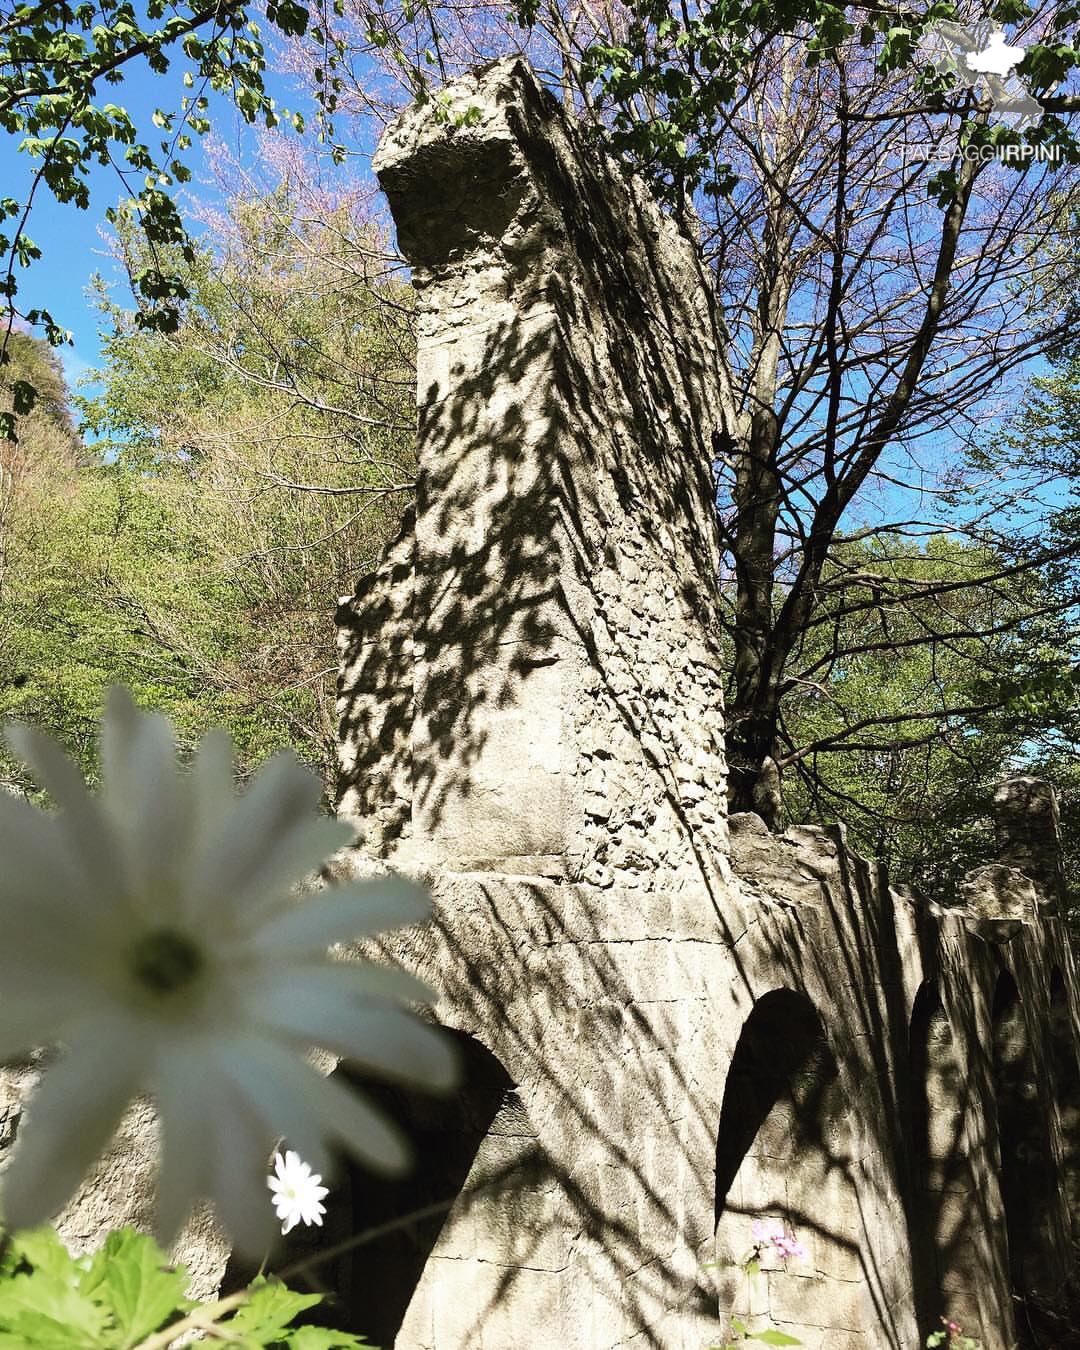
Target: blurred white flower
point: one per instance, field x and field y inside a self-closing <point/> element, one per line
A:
<point x="297" y="1193"/>
<point x="154" y="932"/>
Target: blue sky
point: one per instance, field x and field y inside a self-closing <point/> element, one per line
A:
<point x="71" y="241"/>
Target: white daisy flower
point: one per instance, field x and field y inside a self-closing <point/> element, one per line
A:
<point x="153" y="931"/>
<point x="297" y="1193"/>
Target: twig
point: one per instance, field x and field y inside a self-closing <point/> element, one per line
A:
<point x="206" y="1315"/>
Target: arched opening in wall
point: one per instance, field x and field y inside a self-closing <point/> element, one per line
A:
<point x="947" y="1204"/>
<point x="1028" y="1181"/>
<point x="474" y="1156"/>
<point x="784" y="1161"/>
<point x="1067" y="1082"/>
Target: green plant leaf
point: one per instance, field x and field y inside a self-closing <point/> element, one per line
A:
<point x="43" y="1306"/>
<point x="46" y="1311"/>
<point x="319" y="1338"/>
<point x="129" y="1275"/>
<point x="42" y="1249"/>
<point x="774" y="1337"/>
<point x="269" y="1310"/>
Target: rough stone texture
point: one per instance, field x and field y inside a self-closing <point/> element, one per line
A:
<point x="120" y="1188"/>
<point x="534" y="653"/>
<point x="1027" y="827"/>
<point x="670" y="1029"/>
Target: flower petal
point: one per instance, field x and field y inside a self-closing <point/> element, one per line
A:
<point x="389" y="1041"/>
<point x="34" y="1014"/>
<point x="177" y="1086"/>
<point x="285" y="862"/>
<point x="85" y="829"/>
<point x="343" y="914"/>
<point x="350" y="1118"/>
<point x="213" y="790"/>
<point x="142" y="790"/>
<point x="70" y="1120"/>
<point x="44" y="903"/>
<point x="309" y="1108"/>
<point x="361" y="978"/>
<point x="36" y="870"/>
<point x="238" y="1144"/>
<point x="282" y="795"/>
<point x="274" y="1080"/>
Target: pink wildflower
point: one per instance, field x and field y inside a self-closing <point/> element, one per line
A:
<point x="771" y="1232"/>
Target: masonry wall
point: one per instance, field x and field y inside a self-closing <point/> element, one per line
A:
<point x="563" y="692"/>
<point x="675" y="1024"/>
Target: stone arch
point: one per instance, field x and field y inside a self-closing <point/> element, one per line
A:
<point x="947" y="1209"/>
<point x="784" y="1155"/>
<point x="476" y="1165"/>
<point x="1025" y="1161"/>
<point x="1067" y="1082"/>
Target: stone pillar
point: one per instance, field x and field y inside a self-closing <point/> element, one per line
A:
<point x="565" y="703"/>
<point x="375" y="699"/>
<point x="1029" y="836"/>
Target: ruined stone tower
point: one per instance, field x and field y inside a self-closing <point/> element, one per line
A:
<point x="672" y="1024"/>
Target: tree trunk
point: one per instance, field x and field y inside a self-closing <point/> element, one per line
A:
<point x="754" y="707"/>
<point x="753" y="776"/>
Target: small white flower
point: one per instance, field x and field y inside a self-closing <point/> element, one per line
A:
<point x="297" y="1193"/>
<point x="154" y="932"/>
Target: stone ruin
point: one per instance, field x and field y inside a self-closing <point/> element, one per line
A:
<point x="673" y="1023"/>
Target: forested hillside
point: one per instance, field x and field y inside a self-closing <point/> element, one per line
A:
<point x="236" y="477"/>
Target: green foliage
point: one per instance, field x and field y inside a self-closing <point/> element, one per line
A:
<point x="102" y="559"/>
<point x="269" y="1310"/>
<point x="251" y="467"/>
<point x="126" y="1292"/>
<point x="127" y="1276"/>
<point x="672" y="73"/>
<point x="54" y="59"/>
<point x="913" y="711"/>
<point x="32" y="381"/>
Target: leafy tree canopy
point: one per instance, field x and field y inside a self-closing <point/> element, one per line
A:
<point x="58" y="64"/>
<point x="249" y="467"/>
<point x="674" y="72"/>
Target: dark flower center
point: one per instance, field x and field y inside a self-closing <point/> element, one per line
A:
<point x="166" y="961"/>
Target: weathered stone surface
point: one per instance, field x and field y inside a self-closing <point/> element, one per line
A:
<point x="700" y="1029"/>
<point x="1028" y="831"/>
<point x="567" y="383"/>
<point x="120" y="1188"/>
<point x="996" y="892"/>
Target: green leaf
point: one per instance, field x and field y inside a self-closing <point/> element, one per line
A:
<point x="23" y="397"/>
<point x="269" y="1310"/>
<point x="41" y="1248"/>
<point x="49" y="1313"/>
<point x="774" y="1337"/>
<point x="319" y="1338"/>
<point x="130" y="1276"/>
